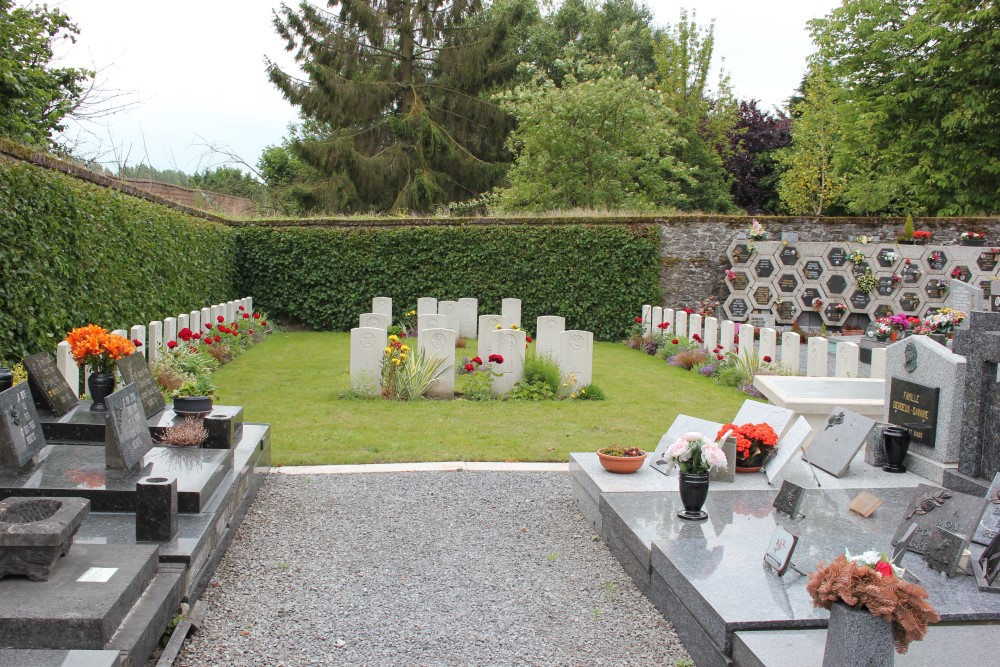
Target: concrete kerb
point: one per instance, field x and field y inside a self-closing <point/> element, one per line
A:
<point x="445" y="466"/>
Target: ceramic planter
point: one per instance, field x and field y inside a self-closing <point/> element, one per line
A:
<point x="620" y="464"/>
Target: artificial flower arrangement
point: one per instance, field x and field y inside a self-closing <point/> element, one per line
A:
<point x="867" y="282"/>
<point x="972" y="236"/>
<point x="944" y="321"/>
<point x="96" y="347"/>
<point x="756" y="231"/>
<point x="856" y="256"/>
<point x="864" y="240"/>
<point x="694" y="453"/>
<point x="871" y="581"/>
<point x="751" y="439"/>
<point x="922" y="235"/>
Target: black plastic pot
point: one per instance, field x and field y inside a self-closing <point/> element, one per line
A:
<point x="192" y="405"/>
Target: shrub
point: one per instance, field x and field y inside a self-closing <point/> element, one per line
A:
<point x="531" y="390"/>
<point x="542" y="370"/>
<point x="591" y="392"/>
<point x="189" y="433"/>
<point x="688" y="359"/>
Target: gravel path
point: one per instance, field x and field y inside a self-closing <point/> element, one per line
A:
<point x="467" y="568"/>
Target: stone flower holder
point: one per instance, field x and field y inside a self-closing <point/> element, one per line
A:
<point x="37" y="532"/>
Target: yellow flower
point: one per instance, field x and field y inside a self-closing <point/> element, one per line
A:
<point x="405" y="348"/>
<point x="412" y="312"/>
<point x="396" y="361"/>
<point x="514" y="327"/>
<point x="393" y="338"/>
<point x="583" y="391"/>
<point x="497" y="326"/>
<point x="403" y="357"/>
<point x="388" y="350"/>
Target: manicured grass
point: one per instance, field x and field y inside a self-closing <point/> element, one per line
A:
<point x="293" y="382"/>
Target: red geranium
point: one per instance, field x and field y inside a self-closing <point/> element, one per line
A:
<point x="184" y="334"/>
<point x="208" y="340"/>
<point x="470" y="368"/>
<point x="663" y="325"/>
<point x="529" y="339"/>
<point x="675" y="341"/>
<point x="767" y="358"/>
<point x="196" y="336"/>
<point x="496" y="358"/>
<point x="208" y="326"/>
<point x="477" y="361"/>
<point x="171" y="344"/>
<point x="751" y="439"/>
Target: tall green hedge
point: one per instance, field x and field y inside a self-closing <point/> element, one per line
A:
<point x="73" y="253"/>
<point x="594" y="276"/>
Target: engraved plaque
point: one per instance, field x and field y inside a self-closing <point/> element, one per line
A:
<point x="127" y="437"/>
<point x="932" y="507"/>
<point x="48" y="384"/>
<point x="915" y="408"/>
<point x="20" y="431"/>
<point x="135" y="370"/>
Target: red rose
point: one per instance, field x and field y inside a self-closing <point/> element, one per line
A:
<point x="171" y="344"/>
<point x="675" y="341"/>
<point x="638" y="320"/>
<point x="496" y="358"/>
<point x="256" y="316"/>
<point x="137" y="342"/>
<point x="246" y="316"/>
<point x="251" y="332"/>
<point x="208" y="340"/>
<point x="477" y="361"/>
<point x="263" y="323"/>
<point x="242" y="308"/>
<point x="196" y="336"/>
<point x="208" y="326"/>
<point x="688" y="311"/>
<point x="221" y="318"/>
<point x="767" y="358"/>
<point x="719" y="357"/>
<point x="470" y="367"/>
<point x="218" y="339"/>
<point x="529" y="339"/>
<point x="883" y="568"/>
<point x="184" y="334"/>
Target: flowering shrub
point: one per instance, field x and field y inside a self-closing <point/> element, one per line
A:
<point x="94" y="346"/>
<point x="694" y="453"/>
<point x="751" y="439"/>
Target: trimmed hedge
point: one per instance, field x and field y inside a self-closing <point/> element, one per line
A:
<point x="594" y="276"/>
<point x="73" y="253"/>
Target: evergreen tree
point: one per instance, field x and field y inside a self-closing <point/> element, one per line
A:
<point x="396" y="119"/>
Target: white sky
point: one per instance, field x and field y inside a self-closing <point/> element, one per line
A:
<point x="198" y="68"/>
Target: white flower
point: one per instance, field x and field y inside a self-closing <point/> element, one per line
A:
<point x="713" y="456"/>
<point x="692" y="436"/>
<point x="680" y="450"/>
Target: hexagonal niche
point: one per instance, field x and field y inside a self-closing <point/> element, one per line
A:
<point x="887" y="285"/>
<point x="882" y="310"/>
<point x="960" y="272"/>
<point x="860" y="301"/>
<point x="936" y="261"/>
<point x="834" y="312"/>
<point x="807" y="295"/>
<point x="909" y="302"/>
<point x="740" y="282"/>
<point x="740" y="254"/>
<point x="764" y="267"/>
<point x="738" y="307"/>
<point x="887" y="258"/>
<point x="838" y="284"/>
<point x="987" y="287"/>
<point x="836" y="256"/>
<point x="812" y="270"/>
<point x="911" y="272"/>
<point x="861" y="268"/>
<point x="988" y="261"/>
<point x="788" y="255"/>
<point x="787" y="283"/>
<point x="936" y="289"/>
<point x="763" y="296"/>
<point x="785" y="312"/>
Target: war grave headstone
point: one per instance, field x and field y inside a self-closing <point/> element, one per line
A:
<point x="382" y="304"/>
<point x="979" y="458"/>
<point x="836" y="445"/>
<point x="427" y="305"/>
<point x="48" y="386"/>
<point x="374" y="320"/>
<point x="932" y="507"/>
<point x="135" y="370"/>
<point x="21" y="436"/>
<point x="431" y="321"/>
<point x="510" y="345"/>
<point x="989" y="526"/>
<point x="511" y="309"/>
<point x="367" y="345"/>
<point x="127" y="437"/>
<point x="576" y="356"/>
<point x="547" y="330"/>
<point x="440" y="344"/>
<point x="468" y="314"/>
<point x="449" y="309"/>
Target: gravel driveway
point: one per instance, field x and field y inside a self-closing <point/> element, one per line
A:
<point x="463" y="568"/>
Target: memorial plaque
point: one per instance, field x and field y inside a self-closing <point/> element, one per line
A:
<point x="886" y="286"/>
<point x="836" y="445"/>
<point x="990" y="561"/>
<point x="837" y="284"/>
<point x="903" y="545"/>
<point x="911" y="274"/>
<point x="989" y="526"/>
<point x="962" y="273"/>
<point x="987" y="287"/>
<point x="48" y="384"/>
<point x="944" y="550"/>
<point x="937" y="260"/>
<point x="812" y="270"/>
<point x="127" y="437"/>
<point x="780" y="549"/>
<point x="883" y="310"/>
<point x="909" y="302"/>
<point x="762" y="295"/>
<point x="808" y="295"/>
<point x="935" y="289"/>
<point x="741" y="253"/>
<point x="932" y="507"/>
<point x="786" y="311"/>
<point x="860" y="300"/>
<point x="995" y="303"/>
<point x="738" y="308"/>
<point x="761" y="320"/>
<point x="788" y="256"/>
<point x="20" y="431"/>
<point x="135" y="370"/>
<point x="787" y="283"/>
<point x="789" y="499"/>
<point x="987" y="261"/>
<point x="789" y="444"/>
<point x="740" y="281"/>
<point x="835" y="311"/>
<point x="865" y="504"/>
<point x="765" y="267"/>
<point x="887" y="257"/>
<point x="861" y="268"/>
<point x="837" y="257"/>
<point x="915" y="408"/>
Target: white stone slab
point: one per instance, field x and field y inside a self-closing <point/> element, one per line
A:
<point x="848" y="356"/>
<point x="548" y="328"/>
<point x="727" y="333"/>
<point x="647" y="319"/>
<point x="374" y="320"/>
<point x="964" y="297"/>
<point x="576" y="356"/>
<point x="67" y="366"/>
<point x="686" y="424"/>
<point x="431" y="321"/>
<point x="206" y="318"/>
<point x="154" y="341"/>
<point x="468" y="317"/>
<point x="789" y="446"/>
<point x="183" y="322"/>
<point x="746" y="344"/>
<point x="816" y="361"/>
<point x="489" y="322"/>
<point x="790" y="343"/>
<point x="668" y="317"/>
<point x="440" y="344"/>
<point x="169" y="329"/>
<point x="755" y="412"/>
<point x="813" y="397"/>
<point x="450" y="310"/>
<point x="510" y="345"/>
<point x="427" y="305"/>
<point x="836" y="444"/>
<point x="657" y="320"/>
<point x="511" y="309"/>
<point x="680" y="323"/>
<point x="382" y="304"/>
<point x="367" y="350"/>
<point x="711" y="334"/>
<point x="878" y="363"/>
<point x="768" y="350"/>
<point x="694" y="326"/>
<point x="194" y="320"/>
<point x="138" y="333"/>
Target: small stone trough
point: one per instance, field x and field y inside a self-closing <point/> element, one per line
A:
<point x="37" y="532"/>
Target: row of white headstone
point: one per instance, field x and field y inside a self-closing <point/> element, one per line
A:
<point x="437" y="332"/>
<point x="153" y="338"/>
<point x="722" y="337"/>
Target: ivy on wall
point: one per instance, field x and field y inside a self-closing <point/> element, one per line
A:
<point x="73" y="253"/>
<point x="594" y="276"/>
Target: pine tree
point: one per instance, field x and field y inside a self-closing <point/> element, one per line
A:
<point x="394" y="115"/>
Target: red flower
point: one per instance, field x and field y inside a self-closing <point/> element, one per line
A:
<point x="529" y="339"/>
<point x="218" y="339"/>
<point x="470" y="367"/>
<point x="638" y="320"/>
<point x="688" y="311"/>
<point x="884" y="569"/>
<point x="719" y="357"/>
<point x="767" y="359"/>
<point x="246" y="316"/>
<point x="208" y="340"/>
<point x="697" y="337"/>
<point x="196" y="336"/>
<point x="251" y="332"/>
<point x="663" y="325"/>
<point x="263" y="323"/>
<point x="236" y="327"/>
<point x="208" y="326"/>
<point x="184" y="334"/>
<point x="171" y="344"/>
<point x="137" y="342"/>
<point x="402" y="334"/>
<point x="242" y="308"/>
<point x="736" y="338"/>
<point x="477" y="361"/>
<point x="496" y="358"/>
<point x="256" y="316"/>
<point x="221" y="318"/>
<point x="675" y="341"/>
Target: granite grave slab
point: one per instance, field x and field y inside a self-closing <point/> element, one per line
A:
<point x="48" y="386"/>
<point x="930" y="507"/>
<point x="127" y="438"/>
<point x="135" y="370"/>
<point x="58" y="658"/>
<point x="989" y="525"/>
<point x="837" y="444"/>
<point x="21" y="436"/>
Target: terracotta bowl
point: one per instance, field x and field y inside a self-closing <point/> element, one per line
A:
<point x="620" y="464"/>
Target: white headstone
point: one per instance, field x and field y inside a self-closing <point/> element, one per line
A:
<point x="431" y="321"/>
<point x="547" y="336"/>
<point x="668" y="317"/>
<point x="489" y="323"/>
<point x="847" y="360"/>
<point x="878" y="363"/>
<point x="382" y="304"/>
<point x="194" y="320"/>
<point x="694" y="326"/>
<point x="711" y="334"/>
<point x="214" y="312"/>
<point x="788" y="446"/>
<point x="511" y="309"/>
<point x="509" y="345"/>
<point x="183" y="322"/>
<point x="768" y="345"/>
<point x="206" y="318"/>
<point x="727" y="331"/>
<point x="154" y="341"/>
<point x="790" y="352"/>
<point x="67" y="366"/>
<point x="746" y="341"/>
<point x="654" y="324"/>
<point x="374" y="320"/>
<point x="427" y="305"/>
<point x="964" y="297"/>
<point x="249" y="301"/>
<point x="576" y="356"/>
<point x="450" y="310"/>
<point x="169" y="330"/>
<point x="488" y="342"/>
<point x="816" y="361"/>
<point x="138" y="333"/>
<point x="647" y="319"/>
<point x="440" y="344"/>
<point x="367" y="350"/>
<point x="755" y="412"/>
<point x="231" y="311"/>
<point x="468" y="314"/>
<point x="680" y="323"/>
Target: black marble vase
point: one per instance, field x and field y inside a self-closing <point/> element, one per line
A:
<point x="694" y="491"/>
<point x="100" y="385"/>
<point x="6" y="379"/>
<point x="895" y="443"/>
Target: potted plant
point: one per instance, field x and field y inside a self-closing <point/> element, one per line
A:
<point x="185" y="375"/>
<point x="94" y="346"/>
<point x="621" y="459"/>
<point x="871" y="608"/>
<point x="194" y="397"/>
<point x="755" y="444"/>
<point x="189" y="433"/>
<point x="695" y="455"/>
<point x="972" y="238"/>
<point x="921" y="237"/>
<point x="907" y="236"/>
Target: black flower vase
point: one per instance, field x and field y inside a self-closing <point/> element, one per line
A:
<point x="6" y="379"/>
<point x="100" y="385"/>
<point x="694" y="491"/>
<point x="895" y="443"/>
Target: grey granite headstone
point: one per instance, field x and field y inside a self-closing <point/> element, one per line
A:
<point x="979" y="412"/>
<point x="135" y="370"/>
<point x="944" y="550"/>
<point x="964" y="297"/>
<point x="789" y="499"/>
<point x="686" y="424"/>
<point x="989" y="526"/>
<point x="835" y="446"/>
<point x="127" y="437"/>
<point x="874" y="452"/>
<point x="932" y="507"/>
<point x="48" y="384"/>
<point x="989" y="562"/>
<point x="20" y="431"/>
<point x="789" y="445"/>
<point x="934" y="367"/>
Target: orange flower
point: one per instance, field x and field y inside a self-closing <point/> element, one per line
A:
<point x="94" y="346"/>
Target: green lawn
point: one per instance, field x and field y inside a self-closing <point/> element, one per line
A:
<point x="293" y="381"/>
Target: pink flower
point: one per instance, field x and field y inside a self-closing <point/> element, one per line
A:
<point x="171" y="344"/>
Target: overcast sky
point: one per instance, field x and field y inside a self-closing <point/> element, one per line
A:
<point x="198" y="69"/>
